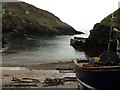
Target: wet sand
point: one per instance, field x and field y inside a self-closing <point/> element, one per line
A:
<point x="54" y="66"/>
<point x="46" y="66"/>
<point x="40" y="73"/>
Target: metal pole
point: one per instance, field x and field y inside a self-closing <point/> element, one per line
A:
<point x="109" y="41"/>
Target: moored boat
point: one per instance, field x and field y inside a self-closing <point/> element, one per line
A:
<point x="100" y="77"/>
<point x="102" y="72"/>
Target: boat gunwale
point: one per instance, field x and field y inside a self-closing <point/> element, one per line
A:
<point x="101" y="68"/>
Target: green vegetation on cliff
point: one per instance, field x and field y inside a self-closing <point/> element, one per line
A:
<point x="22" y="19"/>
<point x="106" y="21"/>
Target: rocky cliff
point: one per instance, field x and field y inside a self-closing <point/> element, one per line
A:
<point x="99" y="35"/>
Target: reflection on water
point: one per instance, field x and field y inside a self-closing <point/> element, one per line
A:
<point x="40" y="50"/>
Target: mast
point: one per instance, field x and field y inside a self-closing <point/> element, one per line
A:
<point x="118" y="42"/>
<point x="111" y="28"/>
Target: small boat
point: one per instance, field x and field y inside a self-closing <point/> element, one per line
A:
<point x="101" y="77"/>
<point x="101" y="73"/>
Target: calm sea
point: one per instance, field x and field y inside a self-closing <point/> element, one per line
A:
<point x="37" y="50"/>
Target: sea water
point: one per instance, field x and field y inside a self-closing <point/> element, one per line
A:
<point x="38" y="50"/>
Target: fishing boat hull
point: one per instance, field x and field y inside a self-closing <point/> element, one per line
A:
<point x="99" y="78"/>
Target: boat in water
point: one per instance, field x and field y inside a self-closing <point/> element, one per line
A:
<point x="103" y="72"/>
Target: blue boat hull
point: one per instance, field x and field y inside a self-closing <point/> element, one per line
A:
<point x="99" y="79"/>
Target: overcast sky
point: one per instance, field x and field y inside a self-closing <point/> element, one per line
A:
<point x="80" y="14"/>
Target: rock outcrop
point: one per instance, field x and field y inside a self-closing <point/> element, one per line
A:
<point x="99" y="35"/>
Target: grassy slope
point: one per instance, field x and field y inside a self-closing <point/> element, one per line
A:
<point x="37" y="21"/>
<point x="106" y="21"/>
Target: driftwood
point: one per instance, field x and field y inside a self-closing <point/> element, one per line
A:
<point x="33" y="80"/>
<point x="70" y="79"/>
<point x="22" y="85"/>
<point x="58" y="81"/>
<point x="15" y="79"/>
<point x="54" y="82"/>
<point x="24" y="82"/>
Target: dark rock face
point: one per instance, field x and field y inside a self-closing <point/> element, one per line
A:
<point x="97" y="42"/>
<point x="98" y="36"/>
<point x="77" y="44"/>
<point x="98" y="39"/>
